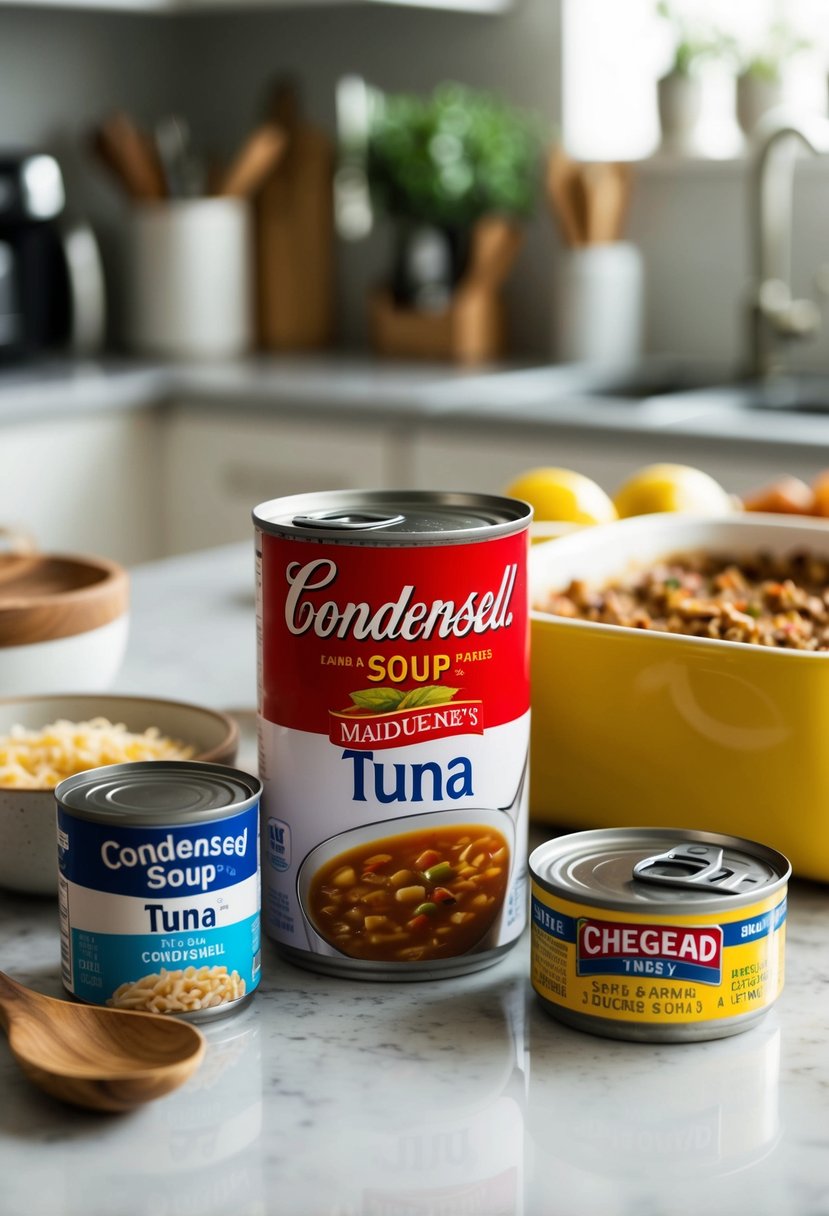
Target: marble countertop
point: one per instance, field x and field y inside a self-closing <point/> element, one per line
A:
<point x="329" y="1097"/>
<point x="534" y="399"/>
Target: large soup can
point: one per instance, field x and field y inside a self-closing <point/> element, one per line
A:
<point x="393" y="729"/>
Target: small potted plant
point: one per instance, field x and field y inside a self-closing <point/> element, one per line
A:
<point x="760" y="83"/>
<point x="455" y="172"/>
<point x="679" y="91"/>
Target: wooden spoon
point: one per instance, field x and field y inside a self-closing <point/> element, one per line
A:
<point x="131" y="155"/>
<point x="102" y="1059"/>
<point x="565" y="192"/>
<point x="258" y="157"/>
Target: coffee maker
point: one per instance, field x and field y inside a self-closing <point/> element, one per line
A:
<point x="51" y="279"/>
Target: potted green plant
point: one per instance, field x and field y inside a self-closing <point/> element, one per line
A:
<point x="760" y="83"/>
<point x="679" y="91"/>
<point x="436" y="165"/>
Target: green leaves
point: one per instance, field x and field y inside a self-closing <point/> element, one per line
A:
<point x="454" y="156"/>
<point x="377" y="700"/>
<point x="386" y="700"/>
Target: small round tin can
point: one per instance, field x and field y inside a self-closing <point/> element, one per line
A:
<point x="657" y="934"/>
<point x="159" y="887"/>
<point x="393" y="631"/>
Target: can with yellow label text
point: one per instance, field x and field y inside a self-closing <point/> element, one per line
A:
<point x="658" y="934"/>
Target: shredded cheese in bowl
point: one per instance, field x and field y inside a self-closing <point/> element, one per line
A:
<point x="39" y="759"/>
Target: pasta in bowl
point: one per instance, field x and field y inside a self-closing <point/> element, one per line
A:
<point x="84" y="731"/>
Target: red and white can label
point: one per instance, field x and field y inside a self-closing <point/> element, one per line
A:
<point x="394" y="734"/>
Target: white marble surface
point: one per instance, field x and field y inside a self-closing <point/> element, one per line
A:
<point x="459" y="1098"/>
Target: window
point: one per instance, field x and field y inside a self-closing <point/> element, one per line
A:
<point x="613" y="54"/>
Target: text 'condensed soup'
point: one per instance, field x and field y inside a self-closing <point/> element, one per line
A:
<point x="662" y="934"/>
<point x="394" y="729"/>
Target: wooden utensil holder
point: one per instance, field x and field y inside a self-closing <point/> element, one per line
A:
<point x="472" y="328"/>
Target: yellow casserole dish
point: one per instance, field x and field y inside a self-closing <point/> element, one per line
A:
<point x="634" y="727"/>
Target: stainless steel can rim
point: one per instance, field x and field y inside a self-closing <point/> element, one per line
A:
<point x="562" y="867"/>
<point x="393" y="518"/>
<point x="140" y="793"/>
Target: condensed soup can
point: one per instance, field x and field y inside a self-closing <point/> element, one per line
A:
<point x="393" y="729"/>
<point x="658" y="934"/>
<point x="159" y="887"/>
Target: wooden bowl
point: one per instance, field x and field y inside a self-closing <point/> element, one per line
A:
<point x="63" y="622"/>
<point x="28" y="849"/>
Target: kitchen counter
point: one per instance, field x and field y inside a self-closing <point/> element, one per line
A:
<point x="519" y="399"/>
<point x="335" y="1098"/>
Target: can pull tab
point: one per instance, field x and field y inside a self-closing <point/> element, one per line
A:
<point x="694" y="867"/>
<point x="348" y="521"/>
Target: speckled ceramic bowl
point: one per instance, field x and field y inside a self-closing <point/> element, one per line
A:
<point x="28" y="852"/>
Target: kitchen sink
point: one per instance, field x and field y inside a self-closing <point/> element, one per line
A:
<point x="539" y="387"/>
<point x="664" y="389"/>
<point x="801" y="394"/>
<point x="659" y="380"/>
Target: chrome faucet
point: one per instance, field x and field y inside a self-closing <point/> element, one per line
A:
<point x="776" y="318"/>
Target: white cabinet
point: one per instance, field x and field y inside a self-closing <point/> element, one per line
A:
<point x="218" y="464"/>
<point x="477" y="457"/>
<point x="162" y="478"/>
<point x="85" y="483"/>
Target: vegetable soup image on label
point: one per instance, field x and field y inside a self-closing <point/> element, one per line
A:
<point x="432" y="893"/>
<point x="658" y="934"/>
<point x="159" y="887"/>
<point x="393" y="729"/>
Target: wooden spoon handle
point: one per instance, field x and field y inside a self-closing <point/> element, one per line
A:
<point x="254" y="163"/>
<point x="129" y="153"/>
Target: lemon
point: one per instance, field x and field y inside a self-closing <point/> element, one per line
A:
<point x="563" y="495"/>
<point x="672" y="487"/>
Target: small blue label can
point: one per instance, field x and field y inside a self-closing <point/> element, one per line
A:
<point x="159" y="887"/>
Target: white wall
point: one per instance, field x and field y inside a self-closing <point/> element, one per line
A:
<point x="691" y="222"/>
<point x="228" y="62"/>
<point x="60" y="71"/>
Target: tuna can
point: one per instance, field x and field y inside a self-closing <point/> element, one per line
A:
<point x="393" y="729"/>
<point x="658" y="934"/>
<point x="159" y="887"/>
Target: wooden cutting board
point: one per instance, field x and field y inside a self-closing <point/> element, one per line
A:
<point x="295" y="236"/>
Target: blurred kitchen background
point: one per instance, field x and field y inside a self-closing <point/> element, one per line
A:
<point x="425" y="245"/>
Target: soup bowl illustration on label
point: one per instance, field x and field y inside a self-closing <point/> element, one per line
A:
<point x="414" y="889"/>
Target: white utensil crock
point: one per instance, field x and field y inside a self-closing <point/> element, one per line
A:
<point x="189" y="278"/>
<point x="599" y="305"/>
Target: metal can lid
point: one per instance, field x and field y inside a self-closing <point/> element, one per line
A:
<point x="677" y="870"/>
<point x="158" y="792"/>
<point x="393" y="517"/>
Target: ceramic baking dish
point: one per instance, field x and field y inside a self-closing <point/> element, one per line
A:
<point x="638" y="728"/>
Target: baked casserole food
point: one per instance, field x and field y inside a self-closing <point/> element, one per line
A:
<point x="760" y="598"/>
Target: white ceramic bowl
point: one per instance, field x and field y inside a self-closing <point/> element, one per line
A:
<point x="81" y="663"/>
<point x="28" y="851"/>
<point x="63" y="622"/>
